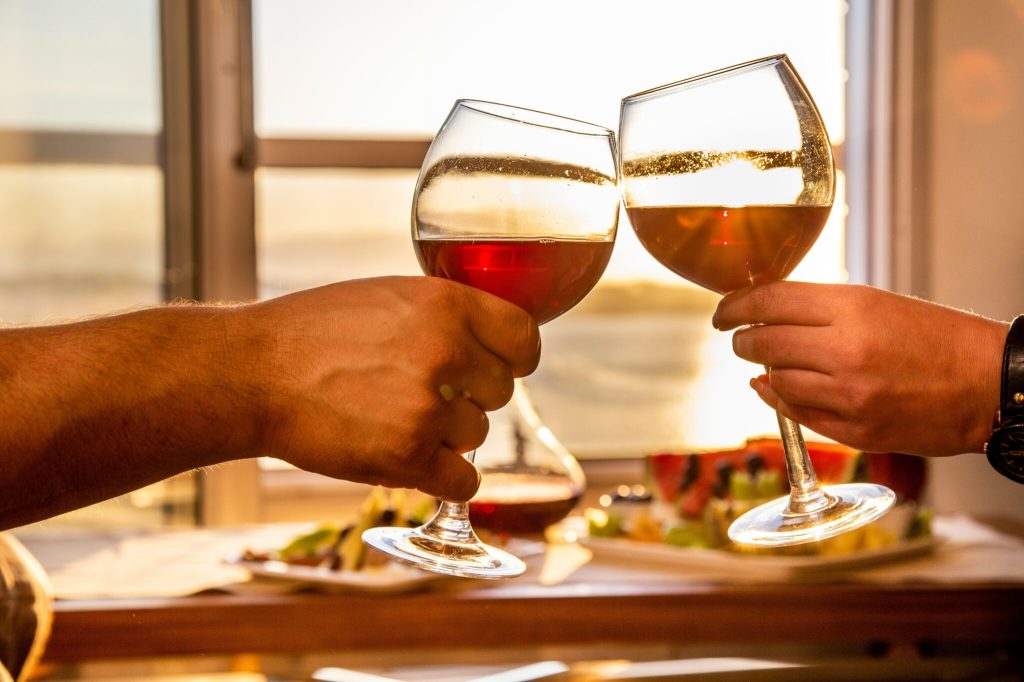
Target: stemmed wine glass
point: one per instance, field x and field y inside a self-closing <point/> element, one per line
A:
<point x="524" y="205"/>
<point x="728" y="179"/>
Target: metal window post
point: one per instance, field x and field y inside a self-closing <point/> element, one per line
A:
<point x="207" y="152"/>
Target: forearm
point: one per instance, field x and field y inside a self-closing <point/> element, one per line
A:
<point x="94" y="409"/>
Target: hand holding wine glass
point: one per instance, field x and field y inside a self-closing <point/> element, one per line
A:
<point x="728" y="179"/>
<point x="522" y="205"/>
<point x="858" y="364"/>
<point x="353" y="372"/>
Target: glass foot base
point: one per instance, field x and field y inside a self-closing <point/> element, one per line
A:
<point x="471" y="559"/>
<point x="852" y="505"/>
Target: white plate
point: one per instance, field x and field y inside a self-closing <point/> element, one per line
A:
<point x="724" y="562"/>
<point x="387" y="578"/>
<point x="390" y="577"/>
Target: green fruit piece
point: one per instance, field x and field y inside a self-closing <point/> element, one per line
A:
<point x="686" y="535"/>
<point x="353" y="551"/>
<point x="741" y="487"/>
<point x="423" y="513"/>
<point x="310" y="544"/>
<point x="769" y="484"/>
<point x="921" y="524"/>
<point x="397" y="507"/>
<point x="610" y="528"/>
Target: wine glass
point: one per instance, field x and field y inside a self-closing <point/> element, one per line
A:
<point x="524" y="205"/>
<point x="727" y="179"/>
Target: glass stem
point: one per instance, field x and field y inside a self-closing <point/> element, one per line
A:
<point x="451" y="522"/>
<point x="805" y="495"/>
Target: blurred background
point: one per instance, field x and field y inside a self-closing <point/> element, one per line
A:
<point x="232" y="150"/>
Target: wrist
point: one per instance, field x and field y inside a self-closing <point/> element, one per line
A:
<point x="989" y="362"/>
<point x="239" y="361"/>
<point x="200" y="382"/>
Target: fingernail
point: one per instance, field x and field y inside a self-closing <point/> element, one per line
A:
<point x="756" y="385"/>
<point x="714" y="320"/>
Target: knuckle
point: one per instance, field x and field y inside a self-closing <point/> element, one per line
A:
<point x="441" y="354"/>
<point x="437" y="294"/>
<point x="438" y="289"/>
<point x="855" y="357"/>
<point x="863" y="398"/>
<point x="855" y="399"/>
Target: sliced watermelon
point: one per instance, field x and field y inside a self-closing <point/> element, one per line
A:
<point x="833" y="463"/>
<point x="668" y="471"/>
<point x="665" y="472"/>
<point x="905" y="474"/>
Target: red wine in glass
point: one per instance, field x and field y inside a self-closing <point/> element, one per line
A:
<point x="544" y="277"/>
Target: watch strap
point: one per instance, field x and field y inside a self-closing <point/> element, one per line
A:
<point x="1011" y="396"/>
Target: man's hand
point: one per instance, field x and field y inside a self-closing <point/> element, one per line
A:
<point x="387" y="380"/>
<point x="869" y="368"/>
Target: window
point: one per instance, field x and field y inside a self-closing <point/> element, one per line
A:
<point x="81" y="193"/>
<point x="81" y="187"/>
<point x="117" y="116"/>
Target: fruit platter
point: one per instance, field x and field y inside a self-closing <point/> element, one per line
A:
<point x="682" y="514"/>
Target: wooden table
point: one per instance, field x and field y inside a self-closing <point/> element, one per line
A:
<point x="524" y="612"/>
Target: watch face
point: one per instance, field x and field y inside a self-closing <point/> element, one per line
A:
<point x="1006" y="451"/>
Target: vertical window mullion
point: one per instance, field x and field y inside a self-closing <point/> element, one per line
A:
<point x="223" y="143"/>
<point x="207" y="148"/>
<point x="180" y="272"/>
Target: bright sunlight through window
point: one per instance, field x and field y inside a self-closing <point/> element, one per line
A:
<point x="637" y="367"/>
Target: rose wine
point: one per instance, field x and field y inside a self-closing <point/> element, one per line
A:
<point x="726" y="248"/>
<point x="521" y="503"/>
<point x="544" y="277"/>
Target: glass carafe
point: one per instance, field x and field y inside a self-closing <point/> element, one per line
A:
<point x="529" y="480"/>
